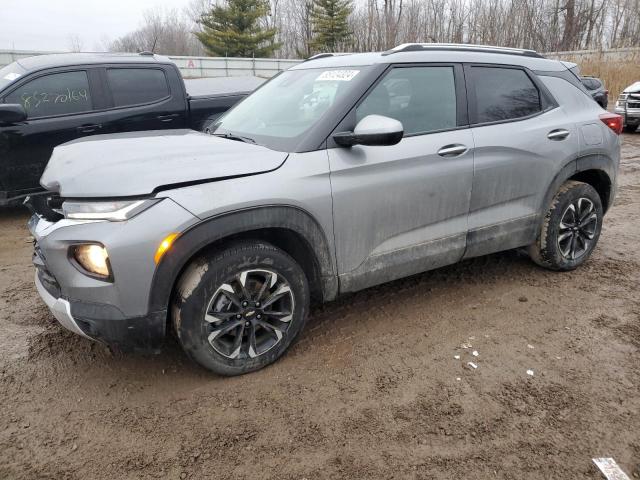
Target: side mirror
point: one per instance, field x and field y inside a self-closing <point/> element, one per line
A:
<point x="372" y="130"/>
<point x="12" y="113"/>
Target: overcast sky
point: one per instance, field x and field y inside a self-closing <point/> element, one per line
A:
<point x="49" y="24"/>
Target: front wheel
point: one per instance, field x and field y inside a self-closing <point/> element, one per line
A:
<point x="238" y="310"/>
<point x="570" y="229"/>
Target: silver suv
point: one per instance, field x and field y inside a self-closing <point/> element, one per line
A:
<point x="341" y="173"/>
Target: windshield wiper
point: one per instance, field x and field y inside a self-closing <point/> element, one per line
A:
<point x="237" y="138"/>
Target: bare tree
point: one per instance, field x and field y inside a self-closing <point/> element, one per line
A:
<point x="75" y="43"/>
<point x="544" y="25"/>
<point x="166" y="32"/>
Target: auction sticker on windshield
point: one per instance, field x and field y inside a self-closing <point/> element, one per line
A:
<point x="338" y="75"/>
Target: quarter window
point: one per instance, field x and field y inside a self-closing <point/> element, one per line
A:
<point x="503" y="94"/>
<point x="423" y="99"/>
<point x="136" y="86"/>
<point x="56" y="94"/>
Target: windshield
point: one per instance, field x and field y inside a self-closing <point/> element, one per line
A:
<point x="10" y="73"/>
<point x="288" y="106"/>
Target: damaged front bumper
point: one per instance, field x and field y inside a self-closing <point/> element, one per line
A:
<point x="99" y="322"/>
<point x="114" y="312"/>
<point x="60" y="308"/>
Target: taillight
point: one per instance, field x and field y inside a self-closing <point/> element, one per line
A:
<point x="613" y="121"/>
<point x="606" y="92"/>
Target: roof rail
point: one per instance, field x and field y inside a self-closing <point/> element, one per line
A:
<point x="326" y="55"/>
<point x="318" y="56"/>
<point x="461" y="47"/>
<point x="147" y="54"/>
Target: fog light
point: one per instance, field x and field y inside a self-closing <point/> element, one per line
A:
<point x="93" y="258"/>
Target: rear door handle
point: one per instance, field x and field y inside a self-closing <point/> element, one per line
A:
<point x="559" y="134"/>
<point x="167" y="118"/>
<point x="89" y="128"/>
<point x="452" y="150"/>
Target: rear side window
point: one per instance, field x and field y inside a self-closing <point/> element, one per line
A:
<point x="503" y="94"/>
<point x="591" y="83"/>
<point x="136" y="86"/>
<point x="56" y="94"/>
<point x="423" y="99"/>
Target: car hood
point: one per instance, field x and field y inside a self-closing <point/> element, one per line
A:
<point x="635" y="88"/>
<point x="139" y="163"/>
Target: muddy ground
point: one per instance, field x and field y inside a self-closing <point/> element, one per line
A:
<point x="372" y="390"/>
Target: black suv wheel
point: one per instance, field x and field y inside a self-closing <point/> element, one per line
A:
<point x="570" y="229"/>
<point x="239" y="309"/>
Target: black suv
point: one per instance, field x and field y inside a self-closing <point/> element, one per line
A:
<point x="595" y="86"/>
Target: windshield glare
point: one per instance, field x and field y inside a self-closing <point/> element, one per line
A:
<point x="289" y="105"/>
<point x="10" y="73"/>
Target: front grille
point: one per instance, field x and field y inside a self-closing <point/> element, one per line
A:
<point x="633" y="104"/>
<point x="49" y="282"/>
<point x="46" y="205"/>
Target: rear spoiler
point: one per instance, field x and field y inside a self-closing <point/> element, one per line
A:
<point x="572" y="67"/>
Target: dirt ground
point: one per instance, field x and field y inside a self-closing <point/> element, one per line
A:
<point x="372" y="389"/>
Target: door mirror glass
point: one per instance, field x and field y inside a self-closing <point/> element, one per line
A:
<point x="12" y="113"/>
<point x="372" y="130"/>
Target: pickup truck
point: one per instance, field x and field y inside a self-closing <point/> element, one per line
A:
<point x="49" y="100"/>
<point x="628" y="105"/>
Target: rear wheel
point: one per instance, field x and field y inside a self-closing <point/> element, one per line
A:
<point x="238" y="310"/>
<point x="570" y="229"/>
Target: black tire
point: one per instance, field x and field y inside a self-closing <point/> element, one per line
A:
<point x="630" y="128"/>
<point x="553" y="247"/>
<point x="203" y="291"/>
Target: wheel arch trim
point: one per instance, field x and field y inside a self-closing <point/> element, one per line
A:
<point x="599" y="163"/>
<point x="254" y="219"/>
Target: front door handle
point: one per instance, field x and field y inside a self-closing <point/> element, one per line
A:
<point x="89" y="128"/>
<point x="168" y="118"/>
<point x="452" y="150"/>
<point x="559" y="134"/>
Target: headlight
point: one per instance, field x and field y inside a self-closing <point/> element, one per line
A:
<point x="93" y="258"/>
<point x="115" y="211"/>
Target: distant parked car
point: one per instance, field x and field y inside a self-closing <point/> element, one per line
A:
<point x="628" y="106"/>
<point x="49" y="100"/>
<point x="596" y="88"/>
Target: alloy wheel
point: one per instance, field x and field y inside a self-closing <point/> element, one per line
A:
<point x="249" y="314"/>
<point x="577" y="228"/>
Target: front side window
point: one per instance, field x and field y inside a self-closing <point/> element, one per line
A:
<point x="503" y="94"/>
<point x="289" y="105"/>
<point x="56" y="94"/>
<point x="423" y="99"/>
<point x="137" y="86"/>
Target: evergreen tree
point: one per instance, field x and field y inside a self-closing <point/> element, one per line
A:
<point x="233" y="29"/>
<point x="330" y="24"/>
